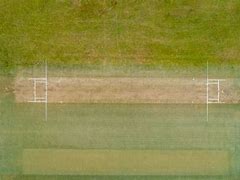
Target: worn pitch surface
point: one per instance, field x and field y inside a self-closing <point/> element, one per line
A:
<point x="126" y="90"/>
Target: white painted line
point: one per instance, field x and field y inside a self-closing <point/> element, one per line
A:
<point x="38" y="79"/>
<point x="218" y="91"/>
<point x="217" y="80"/>
<point x="207" y="90"/>
<point x="34" y="90"/>
<point x="215" y="102"/>
<point x="212" y="99"/>
<point x="46" y="91"/>
<point x="37" y="101"/>
<point x="212" y="83"/>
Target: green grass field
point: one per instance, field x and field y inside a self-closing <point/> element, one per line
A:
<point x="130" y="38"/>
<point x="126" y="32"/>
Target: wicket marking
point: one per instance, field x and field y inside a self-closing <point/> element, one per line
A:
<point x="212" y="82"/>
<point x="43" y="99"/>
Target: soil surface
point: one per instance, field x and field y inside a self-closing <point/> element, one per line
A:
<point x="126" y="90"/>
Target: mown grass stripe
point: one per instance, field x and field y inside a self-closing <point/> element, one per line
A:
<point x="125" y="162"/>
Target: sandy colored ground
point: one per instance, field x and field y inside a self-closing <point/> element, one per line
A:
<point x="125" y="162"/>
<point x="125" y="90"/>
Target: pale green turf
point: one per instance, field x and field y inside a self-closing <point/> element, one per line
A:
<point x="105" y="126"/>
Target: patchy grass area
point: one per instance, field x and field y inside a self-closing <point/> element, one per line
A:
<point x="118" y="32"/>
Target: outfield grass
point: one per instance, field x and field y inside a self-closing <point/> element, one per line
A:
<point x="126" y="126"/>
<point x="116" y="127"/>
<point x="146" y="33"/>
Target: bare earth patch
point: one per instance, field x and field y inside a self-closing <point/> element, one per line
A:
<point x="126" y="90"/>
